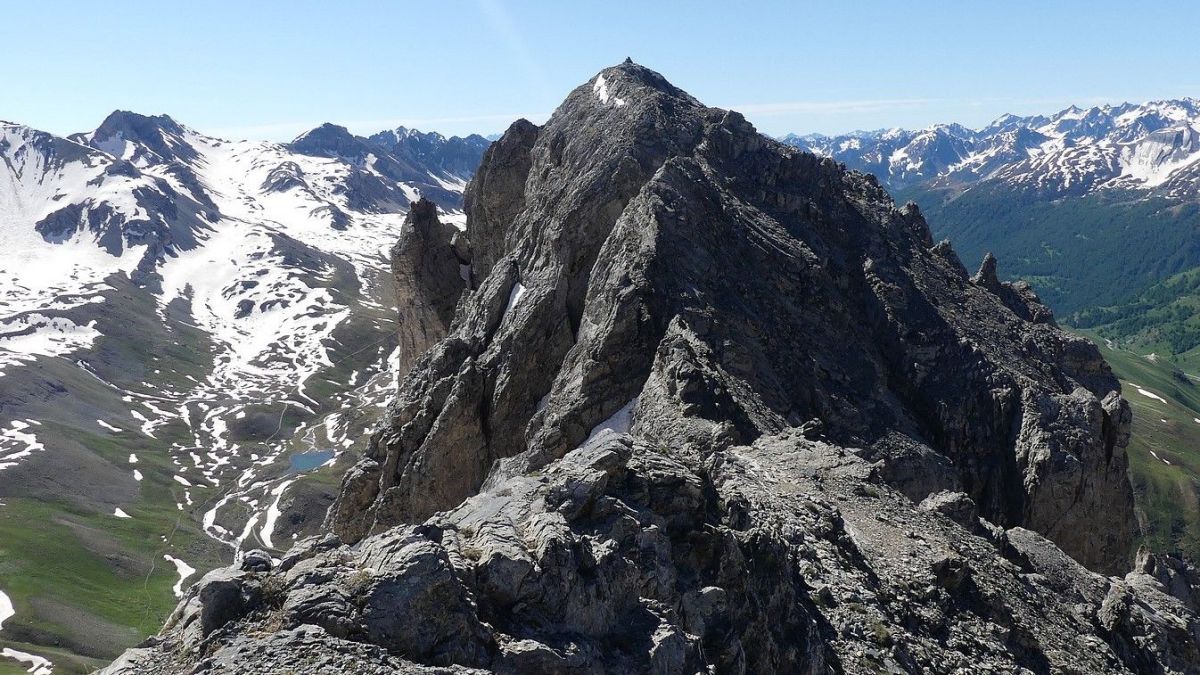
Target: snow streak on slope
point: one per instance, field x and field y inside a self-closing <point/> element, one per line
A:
<point x="17" y="442"/>
<point x="192" y="326"/>
<point x="270" y="285"/>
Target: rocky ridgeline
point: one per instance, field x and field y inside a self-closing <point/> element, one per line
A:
<point x="691" y="400"/>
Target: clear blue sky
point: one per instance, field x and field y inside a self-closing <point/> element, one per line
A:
<point x="272" y="69"/>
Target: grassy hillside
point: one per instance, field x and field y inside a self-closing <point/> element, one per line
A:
<point x="1164" y="452"/>
<point x="1153" y="345"/>
<point x="84" y="582"/>
<point x="1163" y="320"/>
<point x="1078" y="252"/>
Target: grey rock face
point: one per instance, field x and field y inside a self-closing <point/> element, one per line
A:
<point x="257" y="560"/>
<point x="716" y="405"/>
<point x="667" y="252"/>
<point x="496" y="194"/>
<point x="954" y="505"/>
<point x="432" y="268"/>
<point x="788" y="555"/>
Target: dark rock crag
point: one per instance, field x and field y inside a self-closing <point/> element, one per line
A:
<point x="706" y="403"/>
<point x="432" y="267"/>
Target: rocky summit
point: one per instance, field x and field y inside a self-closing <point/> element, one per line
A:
<point x="685" y="399"/>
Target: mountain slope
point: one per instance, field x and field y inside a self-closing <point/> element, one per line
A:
<point x="1079" y="252"/>
<point x="1162" y="320"/>
<point x="1164" y="448"/>
<point x="1097" y="209"/>
<point x="192" y="331"/>
<point x="714" y="405"/>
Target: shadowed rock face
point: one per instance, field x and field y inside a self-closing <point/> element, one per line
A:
<point x="714" y="404"/>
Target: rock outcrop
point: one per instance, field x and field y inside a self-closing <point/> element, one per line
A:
<point x="431" y="265"/>
<point x="713" y="405"/>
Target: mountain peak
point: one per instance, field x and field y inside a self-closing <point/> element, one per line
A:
<point x="141" y="138"/>
<point x="125" y="119"/>
<point x="627" y="77"/>
<point x="135" y="127"/>
<point x="331" y="140"/>
<point x="324" y="131"/>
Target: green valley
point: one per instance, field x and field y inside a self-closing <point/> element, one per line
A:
<point x="1078" y="252"/>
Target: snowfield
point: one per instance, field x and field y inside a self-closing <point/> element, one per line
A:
<point x="184" y="571"/>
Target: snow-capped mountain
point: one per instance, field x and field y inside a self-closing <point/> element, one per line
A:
<point x="190" y="325"/>
<point x="1090" y="205"/>
<point x="1152" y="147"/>
<point x="196" y="218"/>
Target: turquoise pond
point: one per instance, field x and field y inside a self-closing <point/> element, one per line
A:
<point x="306" y="461"/>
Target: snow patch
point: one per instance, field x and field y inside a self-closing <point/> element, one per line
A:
<point x="115" y="145"/>
<point x="121" y="514"/>
<point x="1160" y="458"/>
<point x="183" y="569"/>
<point x="600" y="89"/>
<point x="273" y="513"/>
<point x="1149" y="394"/>
<point x="30" y="335"/>
<point x="17" y="444"/>
<point x="514" y="296"/>
<point x="38" y="665"/>
<point x="6" y="609"/>
<point x="619" y="423"/>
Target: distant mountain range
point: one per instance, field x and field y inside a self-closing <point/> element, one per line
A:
<point x="1152" y="148"/>
<point x="1091" y="206"/>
